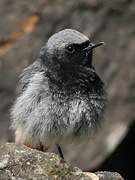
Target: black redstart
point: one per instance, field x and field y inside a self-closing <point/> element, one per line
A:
<point x="61" y="96"/>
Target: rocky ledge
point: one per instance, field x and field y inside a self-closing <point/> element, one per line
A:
<point x="18" y="162"/>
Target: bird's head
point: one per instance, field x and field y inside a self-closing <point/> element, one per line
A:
<point x="68" y="49"/>
<point x="67" y="56"/>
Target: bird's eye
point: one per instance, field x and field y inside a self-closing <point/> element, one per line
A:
<point x="70" y="48"/>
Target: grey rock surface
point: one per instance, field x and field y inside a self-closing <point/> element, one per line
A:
<point x="22" y="163"/>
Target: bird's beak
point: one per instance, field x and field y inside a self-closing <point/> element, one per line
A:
<point x="92" y="46"/>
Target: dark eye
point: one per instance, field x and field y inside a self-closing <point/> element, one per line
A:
<point x="70" y="48"/>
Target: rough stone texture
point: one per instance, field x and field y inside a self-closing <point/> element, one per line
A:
<point x="22" y="163"/>
<point x="24" y="28"/>
<point x="108" y="175"/>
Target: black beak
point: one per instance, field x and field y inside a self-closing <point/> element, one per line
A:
<point x="92" y="46"/>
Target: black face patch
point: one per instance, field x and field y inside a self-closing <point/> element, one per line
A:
<point x="79" y="47"/>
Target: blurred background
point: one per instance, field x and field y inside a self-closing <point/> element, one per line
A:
<point x="24" y="28"/>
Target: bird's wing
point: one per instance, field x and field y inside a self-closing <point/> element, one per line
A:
<point x="28" y="73"/>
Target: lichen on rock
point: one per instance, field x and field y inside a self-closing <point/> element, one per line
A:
<point x="18" y="162"/>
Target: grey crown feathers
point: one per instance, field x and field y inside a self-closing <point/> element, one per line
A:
<point x="61" y="96"/>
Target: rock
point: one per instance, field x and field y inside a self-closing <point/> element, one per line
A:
<point x="103" y="175"/>
<point x="18" y="162"/>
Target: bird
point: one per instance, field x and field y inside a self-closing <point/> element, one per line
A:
<point x="61" y="97"/>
